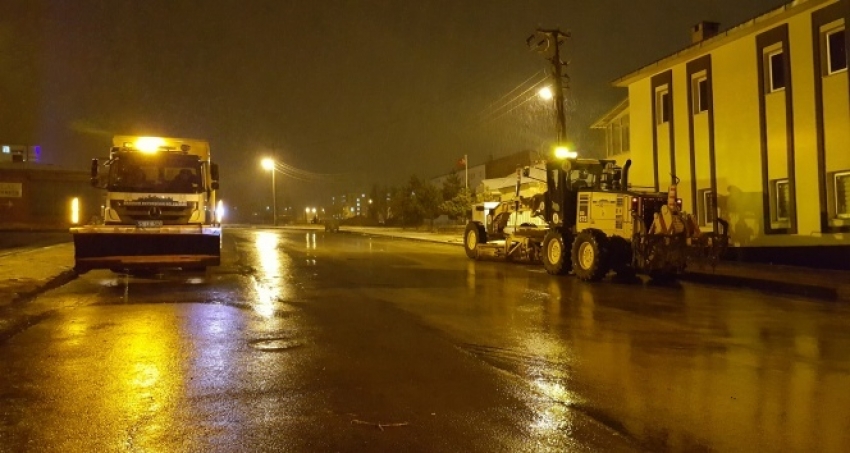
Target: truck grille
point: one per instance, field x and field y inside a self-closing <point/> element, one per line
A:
<point x="169" y="215"/>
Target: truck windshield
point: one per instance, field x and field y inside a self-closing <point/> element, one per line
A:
<point x="161" y="173"/>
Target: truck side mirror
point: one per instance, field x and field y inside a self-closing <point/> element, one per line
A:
<point x="94" y="180"/>
<point x="214" y="171"/>
<point x="214" y="185"/>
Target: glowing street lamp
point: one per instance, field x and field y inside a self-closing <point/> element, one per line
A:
<point x="545" y="93"/>
<point x="269" y="164"/>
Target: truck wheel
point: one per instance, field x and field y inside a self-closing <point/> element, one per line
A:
<point x="556" y="260"/>
<point x="472" y="236"/>
<point x="589" y="256"/>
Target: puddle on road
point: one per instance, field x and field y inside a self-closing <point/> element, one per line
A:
<point x="276" y="344"/>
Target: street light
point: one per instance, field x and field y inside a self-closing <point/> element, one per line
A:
<point x="269" y="164"/>
<point x="545" y="93"/>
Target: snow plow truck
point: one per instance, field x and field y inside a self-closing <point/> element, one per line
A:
<point x="159" y="208"/>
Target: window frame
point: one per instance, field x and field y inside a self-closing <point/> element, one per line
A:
<point x="706" y="215"/>
<point x="777" y="199"/>
<point x="771" y="81"/>
<point x="663" y="107"/>
<point x="835" y="180"/>
<point x="828" y="49"/>
<point x="700" y="98"/>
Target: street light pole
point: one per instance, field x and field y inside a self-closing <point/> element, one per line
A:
<point x="274" y="199"/>
<point x="270" y="165"/>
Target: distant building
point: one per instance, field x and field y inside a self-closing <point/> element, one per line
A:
<point x="494" y="168"/>
<point x="755" y="121"/>
<point x="350" y="204"/>
<point x="20" y="153"/>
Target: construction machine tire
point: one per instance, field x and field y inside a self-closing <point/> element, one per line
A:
<point x="590" y="256"/>
<point x="473" y="235"/>
<point x="620" y="257"/>
<point x="556" y="258"/>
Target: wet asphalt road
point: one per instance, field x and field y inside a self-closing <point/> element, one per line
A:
<point x="306" y="341"/>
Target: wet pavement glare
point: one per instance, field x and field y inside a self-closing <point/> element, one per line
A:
<point x="310" y="341"/>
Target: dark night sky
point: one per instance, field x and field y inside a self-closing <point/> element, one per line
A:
<point x="373" y="89"/>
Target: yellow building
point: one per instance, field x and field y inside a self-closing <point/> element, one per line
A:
<point x="755" y="121"/>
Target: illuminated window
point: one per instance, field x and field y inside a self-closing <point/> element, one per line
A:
<point x="700" y="94"/>
<point x="775" y="71"/>
<point x="662" y="106"/>
<point x="836" y="51"/>
<point x="842" y="195"/>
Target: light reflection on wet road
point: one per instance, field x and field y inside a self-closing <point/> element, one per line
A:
<point x="306" y="341"/>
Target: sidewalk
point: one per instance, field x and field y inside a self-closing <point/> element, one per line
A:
<point x="814" y="283"/>
<point x="26" y="271"/>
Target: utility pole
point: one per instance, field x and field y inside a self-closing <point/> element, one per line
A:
<point x="541" y="41"/>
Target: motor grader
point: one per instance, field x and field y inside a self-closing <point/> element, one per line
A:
<point x="590" y="221"/>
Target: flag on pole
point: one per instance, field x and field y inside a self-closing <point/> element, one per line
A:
<point x="461" y="163"/>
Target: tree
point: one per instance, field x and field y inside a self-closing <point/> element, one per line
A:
<point x="457" y="207"/>
<point x="429" y="201"/>
<point x="378" y="203"/>
<point x="452" y="186"/>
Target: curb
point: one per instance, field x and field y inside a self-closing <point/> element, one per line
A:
<point x="768" y="286"/>
<point x="405" y="238"/>
<point x="53" y="282"/>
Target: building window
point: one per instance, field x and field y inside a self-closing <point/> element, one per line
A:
<point x="836" y="51"/>
<point x="776" y="71"/>
<point x="700" y="94"/>
<point x="624" y="128"/>
<point x="842" y="195"/>
<point x="662" y="106"/>
<point x="707" y="211"/>
<point x="616" y="139"/>
<point x="782" y="199"/>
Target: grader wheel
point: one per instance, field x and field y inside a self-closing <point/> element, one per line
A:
<point x="556" y="259"/>
<point x="590" y="257"/>
<point x="473" y="235"/>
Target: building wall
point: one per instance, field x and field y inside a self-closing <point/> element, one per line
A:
<point x="45" y="195"/>
<point x="643" y="166"/>
<point x="766" y="156"/>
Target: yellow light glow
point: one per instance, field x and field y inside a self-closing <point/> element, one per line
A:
<point x="268" y="164"/>
<point x="75" y="211"/>
<point x="149" y="144"/>
<point x="545" y="93"/>
<point x="562" y="152"/>
<point x="219" y="211"/>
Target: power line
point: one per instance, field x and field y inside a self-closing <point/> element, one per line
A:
<point x="521" y="84"/>
<point x="524" y="93"/>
